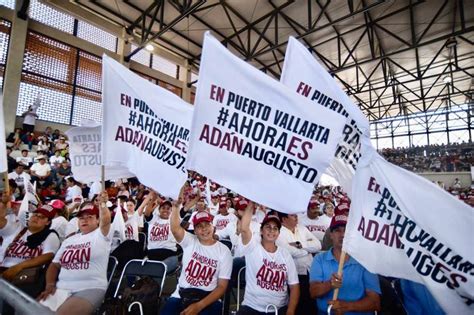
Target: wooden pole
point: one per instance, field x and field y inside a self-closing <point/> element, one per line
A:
<point x="7" y="183"/>
<point x="339" y="273"/>
<point x="102" y="176"/>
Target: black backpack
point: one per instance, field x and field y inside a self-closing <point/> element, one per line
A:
<point x="145" y="290"/>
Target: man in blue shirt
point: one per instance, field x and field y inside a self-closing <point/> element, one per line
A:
<point x="359" y="289"/>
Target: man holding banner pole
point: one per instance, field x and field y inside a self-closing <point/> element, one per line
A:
<point x="359" y="290"/>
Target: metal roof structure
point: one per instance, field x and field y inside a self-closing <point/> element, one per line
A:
<point x="394" y="57"/>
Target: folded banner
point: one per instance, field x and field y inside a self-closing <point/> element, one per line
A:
<point x="85" y="152"/>
<point x="257" y="137"/>
<point x="145" y="128"/>
<point x="303" y="74"/>
<point x="401" y="225"/>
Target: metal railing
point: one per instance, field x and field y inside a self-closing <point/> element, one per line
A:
<point x="22" y="303"/>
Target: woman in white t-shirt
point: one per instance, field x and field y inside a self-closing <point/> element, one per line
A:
<point x="28" y="247"/>
<point x="76" y="280"/>
<point x="207" y="267"/>
<point x="60" y="222"/>
<point x="73" y="189"/>
<point x="269" y="269"/>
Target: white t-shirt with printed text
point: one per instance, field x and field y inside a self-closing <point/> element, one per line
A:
<point x="267" y="276"/>
<point x="203" y="265"/>
<point x="17" y="251"/>
<point x="316" y="226"/>
<point x="159" y="234"/>
<point x="83" y="259"/>
<point x="221" y="221"/>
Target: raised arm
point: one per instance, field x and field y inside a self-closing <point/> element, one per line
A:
<point x="175" y="220"/>
<point x="3" y="209"/>
<point x="104" y="214"/>
<point x="245" y="224"/>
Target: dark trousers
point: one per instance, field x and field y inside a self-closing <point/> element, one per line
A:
<point x="305" y="304"/>
<point x="174" y="307"/>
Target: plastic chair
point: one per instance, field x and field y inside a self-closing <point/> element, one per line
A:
<point x="142" y="240"/>
<point x="227" y="243"/>
<point x="111" y="266"/>
<point x="239" y="282"/>
<point x="141" y="268"/>
<point x="269" y="306"/>
<point x="140" y="307"/>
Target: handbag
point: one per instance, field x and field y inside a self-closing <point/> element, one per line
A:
<point x="192" y="295"/>
<point x="28" y="276"/>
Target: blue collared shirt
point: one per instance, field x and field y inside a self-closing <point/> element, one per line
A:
<point x="356" y="279"/>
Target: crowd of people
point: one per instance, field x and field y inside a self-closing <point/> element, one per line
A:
<point x="456" y="157"/>
<point x="67" y="232"/>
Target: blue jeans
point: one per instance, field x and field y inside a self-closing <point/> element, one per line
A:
<point x="173" y="307"/>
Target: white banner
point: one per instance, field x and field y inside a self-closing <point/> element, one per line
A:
<point x="3" y="144"/>
<point x="85" y="152"/>
<point x="303" y="74"/>
<point x="145" y="128"/>
<point x="401" y="225"/>
<point x="255" y="136"/>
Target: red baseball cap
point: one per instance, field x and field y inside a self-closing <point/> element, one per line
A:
<point x="241" y="205"/>
<point x="202" y="216"/>
<point x="89" y="209"/>
<point x="313" y="203"/>
<point x="57" y="204"/>
<point x="222" y="203"/>
<point x="338" y="220"/>
<point x="342" y="208"/>
<point x="47" y="211"/>
<point x="271" y="217"/>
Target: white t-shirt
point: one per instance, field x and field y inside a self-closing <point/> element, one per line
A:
<point x="59" y="224"/>
<point x="56" y="159"/>
<point x="72" y="192"/>
<point x="258" y="216"/>
<point x="72" y="226"/>
<point x="159" y="234"/>
<point x="30" y="118"/>
<point x="19" y="179"/>
<point x="18" y="252"/>
<point x="302" y="256"/>
<point x="203" y="265"/>
<point x="95" y="189"/>
<point x="221" y="221"/>
<point x="230" y="232"/>
<point x="8" y="233"/>
<point x="214" y="209"/>
<point x="25" y="160"/>
<point x="316" y="226"/>
<point x="131" y="227"/>
<point x="41" y="170"/>
<point x="267" y="276"/>
<point x="83" y="259"/>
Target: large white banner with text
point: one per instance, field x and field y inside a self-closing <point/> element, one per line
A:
<point x="304" y="75"/>
<point x="85" y="152"/>
<point x="255" y="136"/>
<point x="401" y="225"/>
<point x="145" y="129"/>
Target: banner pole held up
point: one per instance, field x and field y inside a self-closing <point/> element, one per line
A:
<point x="102" y="177"/>
<point x="339" y="273"/>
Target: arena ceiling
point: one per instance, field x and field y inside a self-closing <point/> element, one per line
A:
<point x="394" y="57"/>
